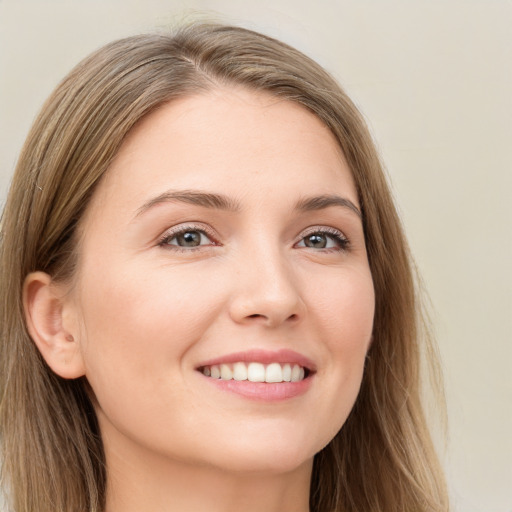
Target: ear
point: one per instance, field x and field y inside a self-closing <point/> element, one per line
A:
<point x="52" y="325"/>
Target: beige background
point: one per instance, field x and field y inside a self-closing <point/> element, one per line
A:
<point x="434" y="79"/>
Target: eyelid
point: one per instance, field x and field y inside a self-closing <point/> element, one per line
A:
<point x="183" y="228"/>
<point x="326" y="230"/>
<point x="322" y="229"/>
<point x="193" y="226"/>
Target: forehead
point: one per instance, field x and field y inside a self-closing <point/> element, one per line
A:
<point x="231" y="141"/>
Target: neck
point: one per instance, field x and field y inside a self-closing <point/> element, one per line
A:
<point x="151" y="482"/>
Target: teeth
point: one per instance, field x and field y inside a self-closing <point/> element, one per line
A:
<point x="274" y="373"/>
<point x="225" y="372"/>
<point x="296" y="373"/>
<point x="239" y="371"/>
<point x="256" y="372"/>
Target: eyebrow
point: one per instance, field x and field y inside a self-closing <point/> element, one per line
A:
<point x="223" y="202"/>
<point x="204" y="199"/>
<point x="326" y="201"/>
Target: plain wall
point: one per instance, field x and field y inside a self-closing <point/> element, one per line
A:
<point x="434" y="80"/>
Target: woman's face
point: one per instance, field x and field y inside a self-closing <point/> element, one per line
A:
<point x="225" y="238"/>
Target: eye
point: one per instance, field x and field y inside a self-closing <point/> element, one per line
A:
<point x="324" y="239"/>
<point x="187" y="238"/>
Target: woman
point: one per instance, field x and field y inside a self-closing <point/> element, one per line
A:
<point x="207" y="295"/>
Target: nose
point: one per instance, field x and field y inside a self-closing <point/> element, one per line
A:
<point x="266" y="292"/>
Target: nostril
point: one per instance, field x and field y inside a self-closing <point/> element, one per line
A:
<point x="292" y="317"/>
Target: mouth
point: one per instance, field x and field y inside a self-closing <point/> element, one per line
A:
<point x="274" y="372"/>
<point x="266" y="375"/>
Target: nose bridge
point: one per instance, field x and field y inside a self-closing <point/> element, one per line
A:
<point x="266" y="290"/>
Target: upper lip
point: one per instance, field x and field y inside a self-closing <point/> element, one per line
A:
<point x="264" y="357"/>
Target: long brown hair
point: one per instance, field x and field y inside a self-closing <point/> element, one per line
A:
<point x="382" y="459"/>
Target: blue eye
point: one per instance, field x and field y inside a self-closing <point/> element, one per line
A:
<point x="324" y="240"/>
<point x="187" y="238"/>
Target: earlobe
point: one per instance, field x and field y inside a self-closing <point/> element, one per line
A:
<point x="49" y="325"/>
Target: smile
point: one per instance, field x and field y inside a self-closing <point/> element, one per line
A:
<point x="261" y="375"/>
<point x="256" y="372"/>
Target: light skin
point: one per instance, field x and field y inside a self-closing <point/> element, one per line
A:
<point x="274" y="260"/>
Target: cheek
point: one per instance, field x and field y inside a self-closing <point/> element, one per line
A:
<point x="139" y="329"/>
<point x="153" y="299"/>
<point x="345" y="306"/>
<point x="344" y="312"/>
<point x="137" y="322"/>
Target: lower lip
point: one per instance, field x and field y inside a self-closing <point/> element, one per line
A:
<point x="263" y="391"/>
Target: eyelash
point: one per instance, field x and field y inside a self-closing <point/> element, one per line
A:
<point x="170" y="235"/>
<point x="339" y="238"/>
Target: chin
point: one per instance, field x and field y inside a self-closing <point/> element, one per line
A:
<point x="272" y="456"/>
<point x="274" y="464"/>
